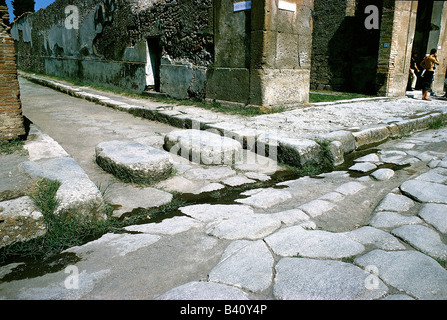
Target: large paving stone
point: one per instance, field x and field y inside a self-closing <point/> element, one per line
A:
<point x="126" y="198"/>
<point x="60" y="169"/>
<point x="395" y="202"/>
<point x="250" y="227"/>
<point x="389" y="219"/>
<point x="133" y="162"/>
<point x="201" y="290"/>
<point x="411" y="272"/>
<point x="350" y="188"/>
<point x="424" y="191"/>
<point x="215" y="212"/>
<point x="245" y="264"/>
<point x="424" y="239"/>
<point x="295" y="240"/>
<point x="213" y="173"/>
<point x="266" y="198"/>
<point x="20" y="220"/>
<point x="435" y="214"/>
<point x="375" y="237"/>
<point x="203" y="147"/>
<point x="317" y="207"/>
<point x="309" y="279"/>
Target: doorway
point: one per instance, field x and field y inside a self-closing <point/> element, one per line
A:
<point x="153" y="61"/>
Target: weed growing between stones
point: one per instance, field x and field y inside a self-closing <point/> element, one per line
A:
<point x="437" y="124"/>
<point x="65" y="231"/>
<point x="11" y="146"/>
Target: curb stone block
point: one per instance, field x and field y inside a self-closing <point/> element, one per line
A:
<point x="370" y="136"/>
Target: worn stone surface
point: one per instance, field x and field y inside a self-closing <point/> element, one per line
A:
<point x="383" y="174"/>
<point x="203" y="147"/>
<point x="295" y="240"/>
<point x="245" y="264"/>
<point x="423" y="238"/>
<point x="363" y="167"/>
<point x="266" y="198"/>
<point x="435" y="214"/>
<point x="375" y="237"/>
<point x="213" y="174"/>
<point x="131" y="161"/>
<point x="317" y="207"/>
<point x="424" y="191"/>
<point x="168" y="226"/>
<point x="20" y="221"/>
<point x="203" y="290"/>
<point x="126" y="198"/>
<point x="395" y="202"/>
<point x="350" y="188"/>
<point x="250" y="227"/>
<point x="410" y="272"/>
<point x="308" y="279"/>
<point x="388" y="219"/>
<point x="209" y="212"/>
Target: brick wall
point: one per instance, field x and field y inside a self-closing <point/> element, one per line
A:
<point x="11" y="119"/>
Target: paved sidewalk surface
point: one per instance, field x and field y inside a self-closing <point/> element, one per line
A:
<point x="374" y="228"/>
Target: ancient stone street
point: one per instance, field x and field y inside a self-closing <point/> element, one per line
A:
<point x="373" y="228"/>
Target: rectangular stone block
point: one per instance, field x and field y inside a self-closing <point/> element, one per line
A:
<point x="228" y="84"/>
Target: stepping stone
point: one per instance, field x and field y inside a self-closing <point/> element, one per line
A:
<point x="410" y="272"/>
<point x="245" y="264"/>
<point x="203" y="147"/>
<point x="309" y="279"/>
<point x="435" y="214"/>
<point x="266" y="198"/>
<point x="424" y="239"/>
<point x="213" y="212"/>
<point x="250" y="227"/>
<point x="133" y="162"/>
<point x="424" y="191"/>
<point x="201" y="290"/>
<point x="385" y="219"/>
<point x="378" y="238"/>
<point x="395" y="202"/>
<point x="383" y="174"/>
<point x="292" y="241"/>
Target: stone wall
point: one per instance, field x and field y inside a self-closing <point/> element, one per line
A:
<point x="11" y="119"/>
<point x="110" y="46"/>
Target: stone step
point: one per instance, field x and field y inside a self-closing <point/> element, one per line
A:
<point x="203" y="147"/>
<point x="133" y="162"/>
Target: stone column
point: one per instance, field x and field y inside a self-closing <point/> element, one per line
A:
<point x="262" y="54"/>
<point x="11" y="119"/>
<point x="398" y="24"/>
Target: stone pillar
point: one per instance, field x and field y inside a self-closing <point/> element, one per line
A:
<point x="398" y="24"/>
<point x="438" y="40"/>
<point x="11" y="119"/>
<point x="262" y="54"/>
<point x="281" y="44"/>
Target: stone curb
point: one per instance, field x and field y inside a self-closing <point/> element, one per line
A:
<point x="288" y="154"/>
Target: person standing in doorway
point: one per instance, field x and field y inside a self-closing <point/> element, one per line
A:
<point x="414" y="71"/>
<point x="429" y="65"/>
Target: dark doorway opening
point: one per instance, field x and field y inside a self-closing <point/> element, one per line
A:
<point x="153" y="62"/>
